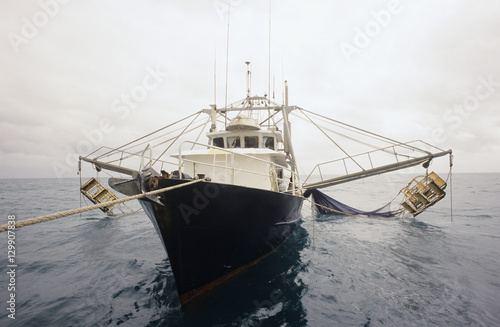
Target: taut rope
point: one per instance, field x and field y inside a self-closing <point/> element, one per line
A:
<point x="66" y="213"/>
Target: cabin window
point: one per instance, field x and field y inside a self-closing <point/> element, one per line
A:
<point x="269" y="142"/>
<point x="218" y="141"/>
<point x="233" y="142"/>
<point x="251" y="141"/>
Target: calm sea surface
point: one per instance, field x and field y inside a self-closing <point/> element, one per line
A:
<point x="91" y="270"/>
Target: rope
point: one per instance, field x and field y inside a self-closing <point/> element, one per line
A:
<point x="314" y="229"/>
<point x="449" y="178"/>
<point x="71" y="212"/>
<point x="451" y="188"/>
<point x="346" y="213"/>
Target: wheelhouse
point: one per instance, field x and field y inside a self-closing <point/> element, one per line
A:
<point x="271" y="139"/>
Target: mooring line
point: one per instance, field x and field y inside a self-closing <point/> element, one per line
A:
<point x="71" y="212"/>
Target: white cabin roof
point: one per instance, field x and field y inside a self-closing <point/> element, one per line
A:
<point x="266" y="154"/>
<point x="242" y="123"/>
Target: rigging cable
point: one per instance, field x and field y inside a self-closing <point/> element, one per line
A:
<point x="201" y="132"/>
<point x="451" y="188"/>
<point x="449" y="177"/>
<point x="138" y="153"/>
<point x="199" y="113"/>
<point x="80" y="174"/>
<point x="373" y="146"/>
<point x="159" y="136"/>
<point x="375" y="135"/>
<point x="347" y="154"/>
<point x="142" y="137"/>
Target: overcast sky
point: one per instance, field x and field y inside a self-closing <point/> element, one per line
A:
<point x="406" y="69"/>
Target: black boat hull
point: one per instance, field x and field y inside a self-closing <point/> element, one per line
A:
<point x="213" y="231"/>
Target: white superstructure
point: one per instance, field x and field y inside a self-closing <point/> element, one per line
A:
<point x="243" y="154"/>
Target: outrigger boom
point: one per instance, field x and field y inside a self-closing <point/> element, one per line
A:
<point x="110" y="167"/>
<point x="375" y="171"/>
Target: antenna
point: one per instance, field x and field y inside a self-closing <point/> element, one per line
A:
<point x="213" y="113"/>
<point x="227" y="54"/>
<point x="282" y="82"/>
<point x="269" y="68"/>
<point x="274" y="88"/>
<point x="274" y="100"/>
<point x="249" y="79"/>
<point x="286" y="94"/>
<point x="215" y="75"/>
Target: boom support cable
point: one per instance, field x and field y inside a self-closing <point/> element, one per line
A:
<point x="143" y="137"/>
<point x="373" y="146"/>
<point x="375" y="135"/>
<point x="328" y="136"/>
<point x="199" y="113"/>
<point x="138" y="152"/>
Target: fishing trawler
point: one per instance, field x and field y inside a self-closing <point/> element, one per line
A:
<point x="234" y="199"/>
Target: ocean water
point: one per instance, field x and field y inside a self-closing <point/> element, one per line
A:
<point x="92" y="270"/>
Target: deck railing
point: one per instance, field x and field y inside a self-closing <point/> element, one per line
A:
<point x="228" y="166"/>
<point x="400" y="152"/>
